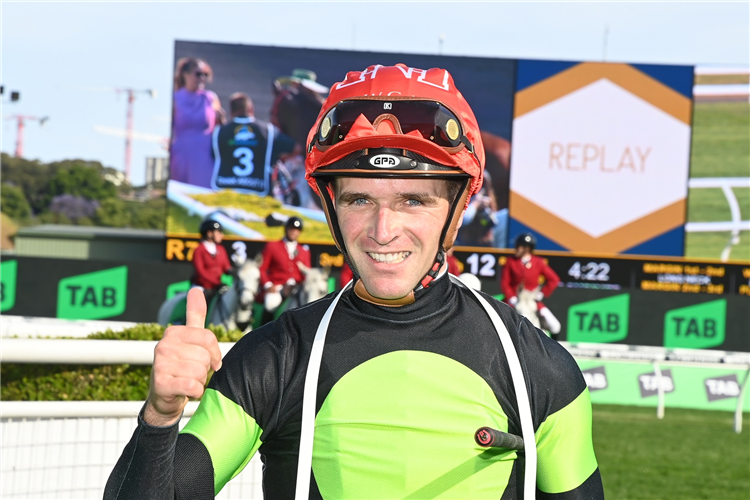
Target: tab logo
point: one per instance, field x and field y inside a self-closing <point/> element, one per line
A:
<point x="8" y="274"/>
<point x="596" y="378"/>
<point x="649" y="383"/>
<point x="600" y="321"/>
<point x="696" y="327"/>
<point x="718" y="388"/>
<point x="97" y="295"/>
<point x="384" y="161"/>
<point x="179" y="287"/>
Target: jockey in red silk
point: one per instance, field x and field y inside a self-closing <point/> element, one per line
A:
<point x="284" y="265"/>
<point x="524" y="271"/>
<point x="210" y="259"/>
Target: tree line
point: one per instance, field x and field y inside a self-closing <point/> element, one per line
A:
<point x="78" y="192"/>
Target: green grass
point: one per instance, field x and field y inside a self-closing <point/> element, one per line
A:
<point x="721" y="140"/>
<point x="710" y="204"/>
<point x="689" y="455"/>
<point x="710" y="246"/>
<point x="721" y="148"/>
<point x="180" y="222"/>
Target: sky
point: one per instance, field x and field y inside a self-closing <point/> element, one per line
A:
<point x="68" y="58"/>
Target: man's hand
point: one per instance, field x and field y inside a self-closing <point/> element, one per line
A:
<point x="182" y="360"/>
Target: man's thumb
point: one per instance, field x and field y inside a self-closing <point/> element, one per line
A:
<point x="196" y="309"/>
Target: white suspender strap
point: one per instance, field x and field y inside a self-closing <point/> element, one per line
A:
<point x="522" y="398"/>
<point x="304" y="463"/>
<point x="309" y="396"/>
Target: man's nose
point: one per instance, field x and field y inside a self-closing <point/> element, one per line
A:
<point x="386" y="225"/>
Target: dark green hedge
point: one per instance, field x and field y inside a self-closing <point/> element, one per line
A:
<point x="39" y="382"/>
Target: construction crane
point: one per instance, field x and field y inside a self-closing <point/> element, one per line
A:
<point x="128" y="132"/>
<point x="129" y="122"/>
<point x="21" y="121"/>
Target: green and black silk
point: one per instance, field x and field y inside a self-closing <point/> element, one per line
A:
<point x="401" y="392"/>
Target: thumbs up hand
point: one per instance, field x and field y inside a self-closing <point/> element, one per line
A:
<point x="182" y="361"/>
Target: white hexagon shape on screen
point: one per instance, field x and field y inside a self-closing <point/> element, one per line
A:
<point x="600" y="157"/>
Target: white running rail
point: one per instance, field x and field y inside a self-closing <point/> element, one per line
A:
<point x="736" y="224"/>
<point x="74" y="351"/>
<point x="68" y="449"/>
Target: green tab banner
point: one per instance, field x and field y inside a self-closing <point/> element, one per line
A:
<point x="600" y="321"/>
<point x="97" y="295"/>
<point x="8" y="274"/>
<point x="696" y="327"/>
<point x="684" y="386"/>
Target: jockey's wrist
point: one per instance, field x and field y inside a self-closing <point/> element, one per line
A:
<point x="267" y="285"/>
<point x="513" y="300"/>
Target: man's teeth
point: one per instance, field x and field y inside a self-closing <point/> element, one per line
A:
<point x="390" y="258"/>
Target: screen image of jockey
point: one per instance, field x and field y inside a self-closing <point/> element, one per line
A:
<point x="523" y="272"/>
<point x="246" y="149"/>
<point x="404" y="384"/>
<point x="283" y="267"/>
<point x="210" y="260"/>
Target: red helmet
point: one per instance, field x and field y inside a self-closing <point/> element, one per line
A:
<point x="396" y="121"/>
<point x="452" y="140"/>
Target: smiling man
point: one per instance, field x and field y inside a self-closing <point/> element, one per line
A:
<point x="383" y="389"/>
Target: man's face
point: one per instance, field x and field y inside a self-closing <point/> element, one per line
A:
<point x="292" y="233"/>
<point x="215" y="236"/>
<point x="391" y="229"/>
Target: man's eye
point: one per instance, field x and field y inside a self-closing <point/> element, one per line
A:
<point x="359" y="201"/>
<point x="413" y="203"/>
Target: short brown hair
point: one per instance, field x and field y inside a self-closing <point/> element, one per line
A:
<point x="240" y="104"/>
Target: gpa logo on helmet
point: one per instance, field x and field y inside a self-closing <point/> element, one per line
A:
<point x="385" y="161"/>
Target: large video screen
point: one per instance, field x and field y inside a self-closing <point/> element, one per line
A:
<point x="251" y="178"/>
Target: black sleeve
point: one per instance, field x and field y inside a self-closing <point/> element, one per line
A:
<point x="159" y="463"/>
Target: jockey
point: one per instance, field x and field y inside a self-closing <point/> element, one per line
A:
<point x="210" y="260"/>
<point x="376" y="391"/>
<point x="284" y="265"/>
<point x="524" y="271"/>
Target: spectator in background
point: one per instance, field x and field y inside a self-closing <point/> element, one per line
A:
<point x="454" y="266"/>
<point x="195" y="113"/>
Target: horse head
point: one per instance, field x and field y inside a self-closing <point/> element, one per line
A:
<point x="248" y="280"/>
<point x="313" y="288"/>
<point x="316" y="283"/>
<point x="295" y="109"/>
